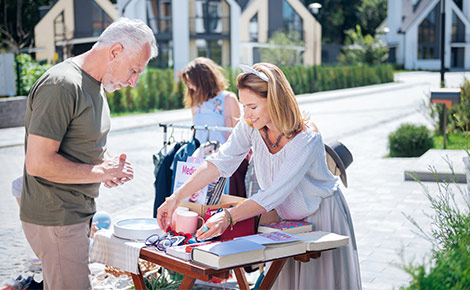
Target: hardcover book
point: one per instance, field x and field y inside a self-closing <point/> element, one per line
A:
<point x="317" y="241"/>
<point x="228" y="254"/>
<point x="290" y="226"/>
<point x="278" y="244"/>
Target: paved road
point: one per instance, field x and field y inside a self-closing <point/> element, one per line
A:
<point x="361" y="118"/>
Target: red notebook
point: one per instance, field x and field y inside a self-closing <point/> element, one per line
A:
<point x="240" y="229"/>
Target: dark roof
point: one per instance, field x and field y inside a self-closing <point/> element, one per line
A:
<point x="409" y="17"/>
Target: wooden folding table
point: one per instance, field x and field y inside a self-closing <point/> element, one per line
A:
<point x="193" y="271"/>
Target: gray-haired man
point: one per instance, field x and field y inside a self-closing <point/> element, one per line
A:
<point x="67" y="123"/>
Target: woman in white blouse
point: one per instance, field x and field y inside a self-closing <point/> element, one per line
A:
<point x="293" y="176"/>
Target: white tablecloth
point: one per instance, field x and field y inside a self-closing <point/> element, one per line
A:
<point x="113" y="251"/>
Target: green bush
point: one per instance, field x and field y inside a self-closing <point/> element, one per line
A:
<point x="312" y="79"/>
<point x="157" y="88"/>
<point x="410" y="141"/>
<point x="458" y="116"/>
<point x="449" y="265"/>
<point x="30" y="71"/>
<point x="363" y="49"/>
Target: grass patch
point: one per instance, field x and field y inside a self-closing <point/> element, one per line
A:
<point x="455" y="141"/>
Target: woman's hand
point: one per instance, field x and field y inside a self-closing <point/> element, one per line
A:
<point x="165" y="212"/>
<point x="216" y="225"/>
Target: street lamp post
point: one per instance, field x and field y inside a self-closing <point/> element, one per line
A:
<point x="443" y="27"/>
<point x="314" y="8"/>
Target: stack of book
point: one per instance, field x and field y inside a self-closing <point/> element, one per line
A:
<point x="263" y="247"/>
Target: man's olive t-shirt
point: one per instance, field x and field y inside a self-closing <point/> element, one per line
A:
<point x="67" y="105"/>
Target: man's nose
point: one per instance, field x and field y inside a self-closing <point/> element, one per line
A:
<point x="133" y="80"/>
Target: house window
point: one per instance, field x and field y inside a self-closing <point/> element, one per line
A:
<point x="459" y="4"/>
<point x="457" y="57"/>
<point x="210" y="48"/>
<point x="292" y="21"/>
<point x="59" y="27"/>
<point x="99" y="19"/>
<point x="165" y="57"/>
<point x="458" y="29"/>
<point x="159" y="15"/>
<point x="208" y="16"/>
<point x="253" y="28"/>
<point x="428" y="36"/>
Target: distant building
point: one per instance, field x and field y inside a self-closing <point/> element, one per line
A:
<point x="186" y="29"/>
<point x="71" y="27"/>
<point x="261" y="18"/>
<point x="228" y="31"/>
<point x="413" y="33"/>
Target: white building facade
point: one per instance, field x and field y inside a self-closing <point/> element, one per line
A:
<point x="413" y="33"/>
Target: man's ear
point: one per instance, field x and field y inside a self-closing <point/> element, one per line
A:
<point x="115" y="50"/>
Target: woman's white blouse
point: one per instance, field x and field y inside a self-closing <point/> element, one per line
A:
<point x="293" y="181"/>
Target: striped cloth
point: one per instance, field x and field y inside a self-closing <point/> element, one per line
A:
<point x="113" y="251"/>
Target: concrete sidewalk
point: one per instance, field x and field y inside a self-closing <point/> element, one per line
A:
<point x="15" y="136"/>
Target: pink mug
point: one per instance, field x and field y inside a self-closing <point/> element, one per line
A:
<point x="173" y="217"/>
<point x="187" y="221"/>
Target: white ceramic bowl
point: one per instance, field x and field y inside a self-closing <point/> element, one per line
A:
<point x="136" y="228"/>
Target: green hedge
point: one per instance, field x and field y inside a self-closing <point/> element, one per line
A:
<point x="30" y="71"/>
<point x="157" y="89"/>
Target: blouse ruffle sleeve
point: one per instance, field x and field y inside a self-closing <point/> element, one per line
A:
<point x="303" y="173"/>
<point x="232" y="152"/>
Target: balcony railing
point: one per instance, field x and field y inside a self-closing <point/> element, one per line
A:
<point x="209" y="25"/>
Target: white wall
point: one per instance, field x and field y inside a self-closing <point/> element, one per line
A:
<point x="180" y="15"/>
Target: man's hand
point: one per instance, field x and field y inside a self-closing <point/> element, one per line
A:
<point x="117" y="171"/>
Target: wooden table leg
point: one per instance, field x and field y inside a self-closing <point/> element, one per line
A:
<point x="187" y="283"/>
<point x="272" y="274"/>
<point x="241" y="279"/>
<point x="138" y="280"/>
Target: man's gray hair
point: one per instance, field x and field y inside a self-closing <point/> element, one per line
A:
<point x="133" y="34"/>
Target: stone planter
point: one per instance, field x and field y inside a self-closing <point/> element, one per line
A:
<point x="467" y="170"/>
<point x="12" y="111"/>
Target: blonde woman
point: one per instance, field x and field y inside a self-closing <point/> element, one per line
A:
<point x="293" y="176"/>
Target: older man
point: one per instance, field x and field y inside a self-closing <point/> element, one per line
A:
<point x="67" y="123"/>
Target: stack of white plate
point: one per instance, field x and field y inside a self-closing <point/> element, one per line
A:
<point x="136" y="228"/>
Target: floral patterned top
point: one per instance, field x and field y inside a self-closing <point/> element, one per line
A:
<point x="211" y="113"/>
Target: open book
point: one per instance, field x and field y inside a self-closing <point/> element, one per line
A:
<point x="317" y="241"/>
<point x="278" y="244"/>
<point x="184" y="251"/>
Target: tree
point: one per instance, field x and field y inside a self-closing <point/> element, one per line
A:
<point x="283" y="49"/>
<point x="335" y="17"/>
<point x="370" y="14"/>
<point x="360" y="49"/>
<point x="338" y="16"/>
<point x="18" y="20"/>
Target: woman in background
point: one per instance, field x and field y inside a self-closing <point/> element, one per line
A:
<point x="208" y="99"/>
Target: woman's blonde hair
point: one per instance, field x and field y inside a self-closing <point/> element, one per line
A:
<point x="282" y="105"/>
<point x="206" y="77"/>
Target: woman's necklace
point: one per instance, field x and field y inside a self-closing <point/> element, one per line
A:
<point x="274" y="146"/>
